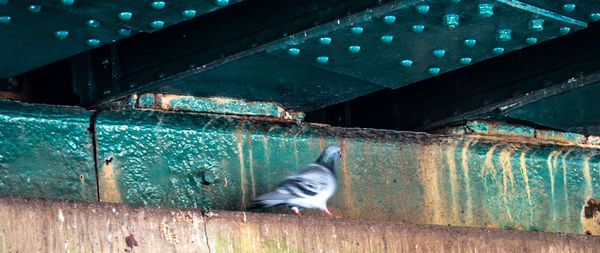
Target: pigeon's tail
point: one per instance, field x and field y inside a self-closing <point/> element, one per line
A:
<point x="255" y="205"/>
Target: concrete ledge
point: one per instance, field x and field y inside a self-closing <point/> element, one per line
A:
<point x="44" y="225"/>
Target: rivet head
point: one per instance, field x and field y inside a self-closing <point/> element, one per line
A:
<point x="93" y="23"/>
<point x="125" y="31"/>
<point x="293" y="51"/>
<point x="125" y="16"/>
<point x="433" y="70"/>
<point x="465" y="60"/>
<point x="62" y="34"/>
<point x="406" y="63"/>
<point x="568" y="7"/>
<point x="222" y="3"/>
<point x="325" y="40"/>
<point x="536" y="24"/>
<point x="35" y="8"/>
<point x="498" y="50"/>
<point x="595" y="16"/>
<point x="451" y="20"/>
<point x="503" y="34"/>
<point x="565" y="30"/>
<point x="189" y="13"/>
<point x="354" y="49"/>
<point x="157" y="24"/>
<point x="418" y="28"/>
<point x="4" y="19"/>
<point x="422" y="8"/>
<point x="67" y="2"/>
<point x="93" y="42"/>
<point x="470" y="42"/>
<point x="389" y="19"/>
<point x="531" y="40"/>
<point x="157" y="5"/>
<point x="486" y="10"/>
<point x="357" y="30"/>
<point x="439" y="53"/>
<point x="322" y="59"/>
<point x="386" y="38"/>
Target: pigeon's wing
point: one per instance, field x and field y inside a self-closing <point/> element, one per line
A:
<point x="307" y="182"/>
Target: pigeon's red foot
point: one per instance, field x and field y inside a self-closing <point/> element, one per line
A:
<point x="331" y="215"/>
<point x="295" y="209"/>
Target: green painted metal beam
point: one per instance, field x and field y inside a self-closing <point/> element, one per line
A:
<point x="46" y="151"/>
<point x="182" y="103"/>
<point x="205" y="161"/>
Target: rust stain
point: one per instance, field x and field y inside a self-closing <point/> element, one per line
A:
<point x="250" y="160"/>
<point x="489" y="164"/>
<point x="586" y="174"/>
<point x="296" y="150"/>
<point x="590" y="216"/>
<point x="506" y="166"/>
<point x="565" y="188"/>
<point x="453" y="181"/>
<point x="465" y="167"/>
<point x="108" y="184"/>
<point x="241" y="155"/>
<point x="552" y="162"/>
<point x="551" y="165"/>
<point x="265" y="162"/>
<point x="346" y="179"/>
<point x="428" y="175"/>
<point x="524" y="171"/>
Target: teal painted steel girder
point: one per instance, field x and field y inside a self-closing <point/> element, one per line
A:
<point x="46" y="151"/>
<point x="223" y="162"/>
<point x="501" y="176"/>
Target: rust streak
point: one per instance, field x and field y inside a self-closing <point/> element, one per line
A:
<point x="453" y="178"/>
<point x="523" y="166"/>
<point x="488" y="162"/>
<point x="346" y="179"/>
<point x="566" y="189"/>
<point x="250" y="161"/>
<point x="465" y="167"/>
<point x="429" y="180"/>
<point x="586" y="175"/>
<point x="241" y="155"/>
<point x="108" y="184"/>
<point x="552" y="155"/>
<point x="524" y="171"/>
<point x="507" y="169"/>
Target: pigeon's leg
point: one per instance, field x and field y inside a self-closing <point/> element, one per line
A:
<point x="330" y="214"/>
<point x="296" y="210"/>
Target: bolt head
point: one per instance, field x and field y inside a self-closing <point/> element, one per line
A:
<point x="486" y="10"/>
<point x="451" y="20"/>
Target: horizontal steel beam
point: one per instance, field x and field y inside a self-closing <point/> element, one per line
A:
<point x="33" y="225"/>
<point x="507" y="180"/>
<point x="483" y="174"/>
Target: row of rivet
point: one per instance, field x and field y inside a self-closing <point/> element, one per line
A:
<point x="123" y="16"/>
<point x="485" y="10"/>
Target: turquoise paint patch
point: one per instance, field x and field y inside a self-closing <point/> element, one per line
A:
<point x="46" y="151"/>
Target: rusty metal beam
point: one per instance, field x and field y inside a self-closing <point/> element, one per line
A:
<point x="43" y="225"/>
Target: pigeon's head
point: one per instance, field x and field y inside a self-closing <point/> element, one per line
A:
<point x="331" y="153"/>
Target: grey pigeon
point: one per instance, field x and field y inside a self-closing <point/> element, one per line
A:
<point x="309" y="187"/>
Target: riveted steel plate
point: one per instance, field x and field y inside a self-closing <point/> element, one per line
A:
<point x="36" y="33"/>
<point x="404" y="42"/>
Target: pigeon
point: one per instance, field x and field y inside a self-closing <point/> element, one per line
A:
<point x="309" y="187"/>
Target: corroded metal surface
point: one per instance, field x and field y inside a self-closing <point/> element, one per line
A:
<point x="72" y="226"/>
<point x="183" y="103"/>
<point x="218" y="162"/>
<point x="46" y="151"/>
